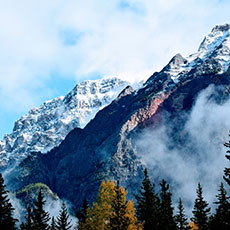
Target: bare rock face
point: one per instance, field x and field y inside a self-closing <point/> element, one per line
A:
<point x="128" y="90"/>
<point x="44" y="128"/>
<point x="176" y="62"/>
<point x="221" y="28"/>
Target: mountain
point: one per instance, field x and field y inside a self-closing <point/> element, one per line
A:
<point x="107" y="147"/>
<point x="44" y="128"/>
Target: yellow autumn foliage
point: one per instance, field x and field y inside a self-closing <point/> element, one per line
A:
<point x="130" y="212"/>
<point x="98" y="216"/>
<point x="193" y="226"/>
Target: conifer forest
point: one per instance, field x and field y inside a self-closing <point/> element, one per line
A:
<point x="111" y="210"/>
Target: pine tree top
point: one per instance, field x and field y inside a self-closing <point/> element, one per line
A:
<point x="200" y="210"/>
<point x="53" y="224"/>
<point x="180" y="218"/>
<point x="40" y="216"/>
<point x="7" y="222"/>
<point x="63" y="222"/>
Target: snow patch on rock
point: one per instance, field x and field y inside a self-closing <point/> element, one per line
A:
<point x="44" y="127"/>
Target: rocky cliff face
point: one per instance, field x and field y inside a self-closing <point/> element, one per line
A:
<point x="44" y="128"/>
<point x="106" y="147"/>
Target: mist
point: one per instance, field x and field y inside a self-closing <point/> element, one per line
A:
<point x="52" y="206"/>
<point x="19" y="211"/>
<point x="200" y="159"/>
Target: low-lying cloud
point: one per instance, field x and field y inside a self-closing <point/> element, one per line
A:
<point x="52" y="206"/>
<point x="200" y="159"/>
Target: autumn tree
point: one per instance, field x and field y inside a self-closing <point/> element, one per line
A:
<point x="63" y="222"/>
<point x="130" y="213"/>
<point x="105" y="208"/>
<point x="147" y="204"/>
<point x="99" y="215"/>
<point x="119" y="220"/>
<point x="192" y="226"/>
<point x="7" y="222"/>
<point x="180" y="218"/>
<point x="40" y="217"/>
<point x="200" y="210"/>
<point x="221" y="219"/>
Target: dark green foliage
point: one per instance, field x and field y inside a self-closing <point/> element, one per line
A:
<point x="53" y="224"/>
<point x="221" y="219"/>
<point x="22" y="226"/>
<point x="180" y="218"/>
<point x="40" y="217"/>
<point x="154" y="211"/>
<point x="166" y="219"/>
<point x="63" y="222"/>
<point x="28" y="219"/>
<point x="28" y="224"/>
<point x="82" y="213"/>
<point x="119" y="221"/>
<point x="7" y="222"/>
<point x="147" y="204"/>
<point x="200" y="210"/>
<point x="227" y="170"/>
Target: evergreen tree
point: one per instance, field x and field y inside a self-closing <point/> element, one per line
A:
<point x="147" y="204"/>
<point x="53" y="224"/>
<point x="166" y="219"/>
<point x="22" y="226"/>
<point x="181" y="220"/>
<point x="40" y="217"/>
<point x="82" y="214"/>
<point x="221" y="219"/>
<point x="119" y="220"/>
<point x="227" y="170"/>
<point x="7" y="222"/>
<point x="28" y="224"/>
<point x="200" y="210"/>
<point x="63" y="222"/>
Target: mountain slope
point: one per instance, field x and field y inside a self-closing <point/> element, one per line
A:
<point x="215" y="48"/>
<point x="44" y="128"/>
<point x="107" y="149"/>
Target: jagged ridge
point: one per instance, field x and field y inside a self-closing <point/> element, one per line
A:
<point x="105" y="148"/>
<point x="44" y="128"/>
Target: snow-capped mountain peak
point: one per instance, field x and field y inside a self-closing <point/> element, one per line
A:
<point x="215" y="38"/>
<point x="46" y="126"/>
<point x="215" y="45"/>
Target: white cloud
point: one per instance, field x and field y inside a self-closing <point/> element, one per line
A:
<point x="79" y="39"/>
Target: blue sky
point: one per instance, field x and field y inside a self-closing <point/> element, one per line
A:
<point x="46" y="47"/>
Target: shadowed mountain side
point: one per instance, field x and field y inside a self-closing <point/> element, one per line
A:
<point x="105" y="148"/>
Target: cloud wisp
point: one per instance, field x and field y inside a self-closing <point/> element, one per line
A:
<point x="45" y="44"/>
<point x="52" y="206"/>
<point x="200" y="159"/>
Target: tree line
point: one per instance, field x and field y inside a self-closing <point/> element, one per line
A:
<point x="36" y="218"/>
<point x="112" y="211"/>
